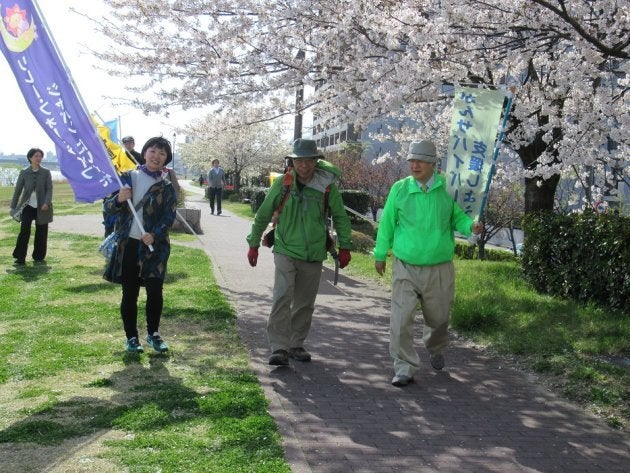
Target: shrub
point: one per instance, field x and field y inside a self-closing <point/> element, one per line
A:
<point x="181" y="198"/>
<point x="362" y="243"/>
<point x="359" y="201"/>
<point x="257" y="196"/>
<point x="579" y="256"/>
<point x="253" y="195"/>
<point x="466" y="251"/>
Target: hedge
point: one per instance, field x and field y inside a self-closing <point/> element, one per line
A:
<point x="584" y="256"/>
<point x="359" y="201"/>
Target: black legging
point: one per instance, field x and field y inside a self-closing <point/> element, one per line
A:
<point x="131" y="290"/>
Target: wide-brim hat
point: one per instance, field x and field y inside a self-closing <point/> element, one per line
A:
<point x="422" y="151"/>
<point x="303" y="148"/>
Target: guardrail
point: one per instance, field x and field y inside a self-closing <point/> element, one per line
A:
<point x="354" y="212"/>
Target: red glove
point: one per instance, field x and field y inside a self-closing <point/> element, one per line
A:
<point x="344" y="258"/>
<point x="252" y="256"/>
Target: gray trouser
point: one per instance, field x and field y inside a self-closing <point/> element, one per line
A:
<point x="294" y="291"/>
<point x="434" y="288"/>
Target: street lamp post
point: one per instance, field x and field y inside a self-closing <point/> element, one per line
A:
<point x="173" y="161"/>
<point x="299" y="99"/>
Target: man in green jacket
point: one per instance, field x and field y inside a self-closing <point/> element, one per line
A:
<point x="296" y="204"/>
<point x="418" y="224"/>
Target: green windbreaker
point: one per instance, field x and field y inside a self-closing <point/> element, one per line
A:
<point x="419" y="227"/>
<point x="301" y="232"/>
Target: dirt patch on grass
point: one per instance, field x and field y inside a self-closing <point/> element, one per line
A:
<point x="81" y="454"/>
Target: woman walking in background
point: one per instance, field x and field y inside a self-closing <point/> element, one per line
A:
<point x="32" y="200"/>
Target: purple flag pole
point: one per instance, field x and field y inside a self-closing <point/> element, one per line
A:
<point x="54" y="102"/>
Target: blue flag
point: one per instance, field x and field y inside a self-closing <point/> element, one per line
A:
<point x="53" y="100"/>
<point x="113" y="129"/>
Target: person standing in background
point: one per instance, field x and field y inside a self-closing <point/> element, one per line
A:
<point x="129" y="144"/>
<point x="32" y="200"/>
<point x="418" y="224"/>
<point x="216" y="182"/>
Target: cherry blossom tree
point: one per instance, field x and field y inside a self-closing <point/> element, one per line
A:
<point x="375" y="177"/>
<point x="363" y="60"/>
<point x="504" y="211"/>
<point x="243" y="151"/>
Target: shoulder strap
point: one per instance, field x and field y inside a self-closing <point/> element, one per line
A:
<point x="287" y="183"/>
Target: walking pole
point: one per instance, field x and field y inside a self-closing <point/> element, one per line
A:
<point x="183" y="220"/>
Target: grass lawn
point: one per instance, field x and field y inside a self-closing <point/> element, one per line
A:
<point x="70" y="396"/>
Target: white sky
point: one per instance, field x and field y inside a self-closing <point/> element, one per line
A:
<point x="19" y="131"/>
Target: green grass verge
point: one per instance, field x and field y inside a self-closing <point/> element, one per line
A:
<point x="65" y="377"/>
<point x="63" y="201"/>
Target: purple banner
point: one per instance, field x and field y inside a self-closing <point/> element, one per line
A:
<point x="51" y="97"/>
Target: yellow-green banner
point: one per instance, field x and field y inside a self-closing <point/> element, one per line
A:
<point x="474" y="127"/>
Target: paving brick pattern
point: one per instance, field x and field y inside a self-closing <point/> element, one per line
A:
<point x="340" y="414"/>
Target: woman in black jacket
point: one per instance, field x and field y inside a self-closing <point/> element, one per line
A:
<point x="32" y="200"/>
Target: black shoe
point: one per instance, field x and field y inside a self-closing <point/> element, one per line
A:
<point x="401" y="380"/>
<point x="299" y="354"/>
<point x="19" y="262"/>
<point x="39" y="261"/>
<point x="437" y="361"/>
<point x="219" y="212"/>
<point x="279" y="358"/>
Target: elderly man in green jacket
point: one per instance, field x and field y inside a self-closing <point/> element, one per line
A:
<point x="296" y="203"/>
<point x="418" y="224"/>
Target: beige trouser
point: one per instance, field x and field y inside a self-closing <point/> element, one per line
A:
<point x="294" y="291"/>
<point x="434" y="288"/>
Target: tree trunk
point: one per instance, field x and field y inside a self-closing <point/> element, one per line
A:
<point x="539" y="193"/>
<point x="237" y="181"/>
<point x="482" y="249"/>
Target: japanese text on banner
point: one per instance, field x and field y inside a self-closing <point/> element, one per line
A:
<point x="474" y="126"/>
<point x="52" y="99"/>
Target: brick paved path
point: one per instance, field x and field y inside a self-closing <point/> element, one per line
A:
<point x="340" y="414"/>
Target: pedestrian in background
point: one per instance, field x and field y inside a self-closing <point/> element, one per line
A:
<point x="129" y="143"/>
<point x="300" y="246"/>
<point x="134" y="263"/>
<point x="32" y="201"/>
<point x="216" y="182"/>
<point x="418" y="224"/>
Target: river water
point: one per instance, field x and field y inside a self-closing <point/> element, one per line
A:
<point x="8" y="176"/>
